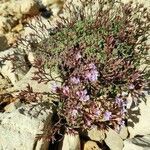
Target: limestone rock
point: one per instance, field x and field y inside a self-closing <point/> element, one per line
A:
<point x="137" y="143"/>
<point x="29" y="7"/>
<point x="70" y="142"/>
<point x="124" y="133"/>
<point x="7" y="66"/>
<point x="55" y="5"/>
<point x="90" y="145"/>
<point x="12" y="106"/>
<point x="4" y="84"/>
<point x="96" y="135"/>
<point x="141" y="124"/>
<point x="37" y="87"/>
<point x="113" y="140"/>
<point x="19" y="128"/>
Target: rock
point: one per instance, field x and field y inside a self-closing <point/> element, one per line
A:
<point x="3" y="43"/>
<point x="137" y="143"/>
<point x="37" y="87"/>
<point x="55" y="5"/>
<point x="4" y="84"/>
<point x="124" y="133"/>
<point x="29" y="7"/>
<point x="70" y="142"/>
<point x="140" y="124"/>
<point x="19" y="128"/>
<point x="12" y="106"/>
<point x="96" y="135"/>
<point x="113" y="140"/>
<point x="91" y="145"/>
<point x="7" y="66"/>
<point x="6" y="24"/>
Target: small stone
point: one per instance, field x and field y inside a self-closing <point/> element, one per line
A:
<point x="124" y="133"/>
<point x="113" y="140"/>
<point x="70" y="142"/>
<point x="55" y="5"/>
<point x="12" y="106"/>
<point x="91" y="145"/>
<point x="139" y="118"/>
<point x="29" y="7"/>
<point x="96" y="135"/>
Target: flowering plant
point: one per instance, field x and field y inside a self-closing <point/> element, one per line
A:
<point x="98" y="58"/>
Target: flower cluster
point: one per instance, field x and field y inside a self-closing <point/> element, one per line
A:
<point x="82" y="105"/>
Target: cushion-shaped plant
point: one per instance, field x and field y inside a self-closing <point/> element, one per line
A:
<point x="98" y="53"/>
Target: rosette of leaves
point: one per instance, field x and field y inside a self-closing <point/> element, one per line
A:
<point x="98" y="55"/>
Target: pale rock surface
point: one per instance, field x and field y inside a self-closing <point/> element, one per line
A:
<point x="91" y="145"/>
<point x="55" y="5"/>
<point x="113" y="140"/>
<point x="137" y="143"/>
<point x="70" y="142"/>
<point x="19" y="128"/>
<point x="12" y="106"/>
<point x="96" y="135"/>
<point x="37" y="87"/>
<point x="124" y="133"/>
<point x="142" y="126"/>
<point x="7" y="66"/>
<point x="4" y="84"/>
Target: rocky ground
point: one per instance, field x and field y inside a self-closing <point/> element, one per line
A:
<point x="20" y="123"/>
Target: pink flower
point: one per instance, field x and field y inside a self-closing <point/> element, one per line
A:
<point x="65" y="90"/>
<point x="74" y="112"/>
<point x="92" y="66"/>
<point x="78" y="56"/>
<point x="97" y="112"/>
<point x="75" y="80"/>
<point x="55" y="87"/>
<point x="107" y="115"/>
<point x="119" y="101"/>
<point x="83" y="95"/>
<point x="91" y="74"/>
<point x="131" y="86"/>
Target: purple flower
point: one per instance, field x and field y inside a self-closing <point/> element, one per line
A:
<point x="55" y="87"/>
<point x="107" y="115"/>
<point x="74" y="112"/>
<point x="83" y="95"/>
<point x="121" y="123"/>
<point x="119" y="101"/>
<point x="92" y="66"/>
<point x="65" y="90"/>
<point x="75" y="80"/>
<point x="97" y="111"/>
<point x="88" y="122"/>
<point x="78" y="56"/>
<point x="91" y="74"/>
<point x="131" y="86"/>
